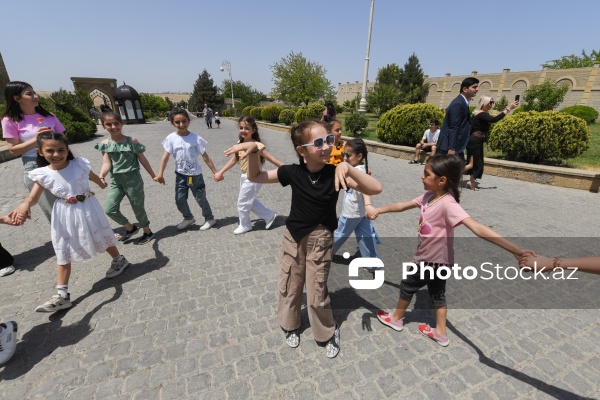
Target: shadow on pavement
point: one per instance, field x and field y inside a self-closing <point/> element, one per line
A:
<point x="42" y="340"/>
<point x="32" y="258"/>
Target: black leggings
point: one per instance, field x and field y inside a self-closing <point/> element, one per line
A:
<point x="475" y="149"/>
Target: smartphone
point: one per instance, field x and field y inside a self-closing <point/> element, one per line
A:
<point x="517" y="97"/>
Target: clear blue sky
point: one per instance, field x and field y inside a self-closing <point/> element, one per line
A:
<point x="160" y="46"/>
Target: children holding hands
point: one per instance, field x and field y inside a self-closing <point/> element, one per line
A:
<point x="308" y="237"/>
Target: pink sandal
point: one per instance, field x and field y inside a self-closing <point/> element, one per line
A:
<point x="426" y="330"/>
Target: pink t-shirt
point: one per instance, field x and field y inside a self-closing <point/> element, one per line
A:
<point x="27" y="128"/>
<point x="436" y="228"/>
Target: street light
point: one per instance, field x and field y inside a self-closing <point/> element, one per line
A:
<point x="362" y="109"/>
<point x="227" y="65"/>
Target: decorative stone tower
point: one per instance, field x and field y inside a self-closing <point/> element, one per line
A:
<point x="3" y="76"/>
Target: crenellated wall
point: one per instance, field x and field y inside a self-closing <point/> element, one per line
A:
<point x="584" y="85"/>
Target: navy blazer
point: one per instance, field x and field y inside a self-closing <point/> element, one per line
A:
<point x="456" y="128"/>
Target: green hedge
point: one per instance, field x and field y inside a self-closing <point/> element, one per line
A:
<point x="311" y="111"/>
<point x="405" y="124"/>
<point x="356" y="123"/>
<point x="247" y="110"/>
<point x="227" y="113"/>
<point x="271" y="113"/>
<point x="256" y="113"/>
<point x="286" y="116"/>
<point x="587" y="113"/>
<point x="534" y="137"/>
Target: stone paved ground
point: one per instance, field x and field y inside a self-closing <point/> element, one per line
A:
<point x="194" y="315"/>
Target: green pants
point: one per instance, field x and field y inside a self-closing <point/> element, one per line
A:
<point x="128" y="184"/>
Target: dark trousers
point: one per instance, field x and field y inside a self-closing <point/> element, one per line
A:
<point x="461" y="154"/>
<point x="475" y="149"/>
<point x="6" y="259"/>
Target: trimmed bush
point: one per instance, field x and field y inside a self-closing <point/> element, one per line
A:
<point x="405" y="124"/>
<point x="77" y="122"/>
<point x="247" y="110"/>
<point x="271" y="113"/>
<point x="356" y="123"/>
<point x="311" y="111"/>
<point x="286" y="116"/>
<point x="256" y="113"/>
<point x="227" y="113"/>
<point x="534" y="137"/>
<point x="587" y="113"/>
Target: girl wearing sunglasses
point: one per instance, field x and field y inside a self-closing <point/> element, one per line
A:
<point x="308" y="237"/>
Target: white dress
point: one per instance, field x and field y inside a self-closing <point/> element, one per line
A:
<point x="79" y="230"/>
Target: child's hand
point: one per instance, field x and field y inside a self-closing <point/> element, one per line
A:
<point x="21" y="214"/>
<point x="246" y="147"/>
<point x="159" y="179"/>
<point x="536" y="263"/>
<point x="102" y="183"/>
<point x="219" y="177"/>
<point x="11" y="219"/>
<point x="373" y="214"/>
<point x="341" y="171"/>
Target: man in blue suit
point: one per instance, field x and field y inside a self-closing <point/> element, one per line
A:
<point x="456" y="128"/>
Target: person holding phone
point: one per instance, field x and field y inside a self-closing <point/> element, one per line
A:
<point x="481" y="122"/>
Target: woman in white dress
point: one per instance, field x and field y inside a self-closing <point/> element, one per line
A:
<point x="79" y="225"/>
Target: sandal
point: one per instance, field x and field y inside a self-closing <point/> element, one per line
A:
<point x="426" y="330"/>
<point x="128" y="234"/>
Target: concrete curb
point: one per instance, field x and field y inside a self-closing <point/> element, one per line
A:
<point x="556" y="176"/>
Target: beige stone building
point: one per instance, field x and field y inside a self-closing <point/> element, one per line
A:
<point x="583" y="83"/>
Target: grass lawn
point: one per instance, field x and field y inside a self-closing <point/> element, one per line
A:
<point x="590" y="159"/>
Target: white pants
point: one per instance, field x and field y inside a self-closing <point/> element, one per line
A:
<point x="247" y="202"/>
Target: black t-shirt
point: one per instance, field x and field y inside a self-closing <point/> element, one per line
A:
<point x="313" y="204"/>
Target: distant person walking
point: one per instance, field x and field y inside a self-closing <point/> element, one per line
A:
<point x="456" y="128"/>
<point x="22" y="120"/>
<point x="329" y="113"/>
<point x="208" y="114"/>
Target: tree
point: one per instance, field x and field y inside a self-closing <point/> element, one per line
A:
<point x="153" y="105"/>
<point x="298" y="80"/>
<point x="544" y="97"/>
<point x="382" y="98"/>
<point x="391" y="74"/>
<point x="574" y="61"/>
<point x="412" y="82"/>
<point x="247" y="94"/>
<point x="205" y="91"/>
<point x="501" y="104"/>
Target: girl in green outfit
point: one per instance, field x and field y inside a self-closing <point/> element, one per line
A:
<point x="121" y="156"/>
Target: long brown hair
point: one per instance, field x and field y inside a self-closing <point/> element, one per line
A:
<point x="451" y="166"/>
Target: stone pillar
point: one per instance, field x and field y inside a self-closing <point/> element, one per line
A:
<point x="545" y="68"/>
<point x="444" y="85"/>
<point x="4" y="79"/>
<point x="585" y="97"/>
<point x="505" y="72"/>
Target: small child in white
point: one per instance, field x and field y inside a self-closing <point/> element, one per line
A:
<point x="185" y="147"/>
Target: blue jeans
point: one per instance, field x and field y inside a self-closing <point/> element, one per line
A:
<point x="183" y="183"/>
<point x="365" y="235"/>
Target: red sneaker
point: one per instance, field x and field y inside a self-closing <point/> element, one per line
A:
<point x="387" y="319"/>
<point x="427" y="331"/>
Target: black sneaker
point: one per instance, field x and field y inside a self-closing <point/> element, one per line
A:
<point x="129" y="234"/>
<point x="146" y="237"/>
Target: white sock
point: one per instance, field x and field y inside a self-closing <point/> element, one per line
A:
<point x="63" y="290"/>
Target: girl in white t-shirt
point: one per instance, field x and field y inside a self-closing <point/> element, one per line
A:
<point x="247" y="201"/>
<point x="440" y="214"/>
<point x="356" y="205"/>
<point x="185" y="147"/>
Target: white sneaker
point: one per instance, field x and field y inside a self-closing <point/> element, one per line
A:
<point x="117" y="266"/>
<point x="8" y="340"/>
<point x="208" y="224"/>
<point x="269" y="223"/>
<point x="185" y="223"/>
<point x="7" y="271"/>
<point x="241" y="230"/>
<point x="55" y="303"/>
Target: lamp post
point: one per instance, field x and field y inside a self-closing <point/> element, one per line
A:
<point x="362" y="108"/>
<point x="227" y="65"/>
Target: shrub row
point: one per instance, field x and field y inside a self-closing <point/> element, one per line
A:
<point x="405" y="124"/>
<point x="587" y="113"/>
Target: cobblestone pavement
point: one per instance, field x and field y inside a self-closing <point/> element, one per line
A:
<point x="194" y="315"/>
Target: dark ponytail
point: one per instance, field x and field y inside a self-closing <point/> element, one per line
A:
<point x="451" y="166"/>
<point x="359" y="147"/>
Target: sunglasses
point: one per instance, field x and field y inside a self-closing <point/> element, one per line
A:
<point x="320" y="142"/>
<point x="347" y="155"/>
<point x="491" y="103"/>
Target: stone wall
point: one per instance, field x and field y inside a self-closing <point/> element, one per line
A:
<point x="584" y="85"/>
